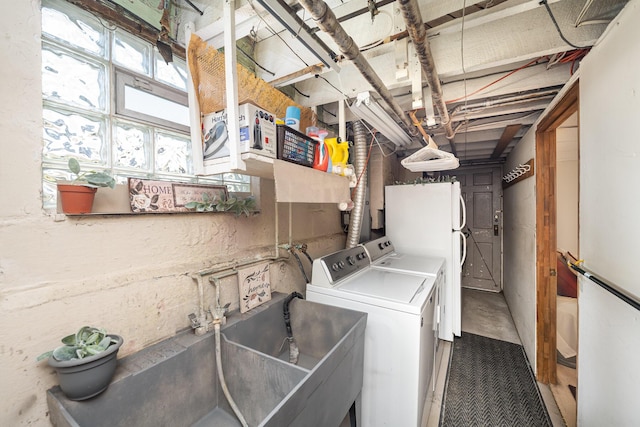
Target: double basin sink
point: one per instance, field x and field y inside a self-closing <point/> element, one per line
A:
<point x="175" y="382"/>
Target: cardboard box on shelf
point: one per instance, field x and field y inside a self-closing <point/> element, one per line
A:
<point x="257" y="133"/>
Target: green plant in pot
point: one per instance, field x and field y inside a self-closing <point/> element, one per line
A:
<point x="86" y="362"/>
<point x="77" y="195"/>
<point x="228" y="204"/>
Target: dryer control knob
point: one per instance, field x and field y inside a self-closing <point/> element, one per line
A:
<point x="335" y="266"/>
<point x="351" y="260"/>
<point x="341" y="264"/>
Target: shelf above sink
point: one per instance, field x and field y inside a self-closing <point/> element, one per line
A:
<point x="293" y="183"/>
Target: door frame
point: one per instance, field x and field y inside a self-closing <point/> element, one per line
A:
<point x="495" y="168"/>
<point x="546" y="233"/>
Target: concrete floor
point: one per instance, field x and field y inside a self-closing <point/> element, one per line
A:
<point x="485" y="314"/>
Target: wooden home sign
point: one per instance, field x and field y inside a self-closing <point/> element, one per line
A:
<point x="148" y="196"/>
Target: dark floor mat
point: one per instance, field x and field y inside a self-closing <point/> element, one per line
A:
<point x="572" y="389"/>
<point x="490" y="383"/>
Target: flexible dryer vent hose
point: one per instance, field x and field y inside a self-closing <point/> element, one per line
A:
<point x="360" y="146"/>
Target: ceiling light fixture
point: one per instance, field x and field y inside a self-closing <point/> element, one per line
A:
<point x="366" y="108"/>
<point x="296" y="26"/>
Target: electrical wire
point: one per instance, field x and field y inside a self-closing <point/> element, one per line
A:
<point x="553" y="18"/>
<point x="254" y="61"/>
<point x="318" y="76"/>
<point x="373" y="134"/>
<point x="300" y="93"/>
<point x="528" y="64"/>
<point x="276" y="33"/>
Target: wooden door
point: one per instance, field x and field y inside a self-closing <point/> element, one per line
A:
<point x="482" y="193"/>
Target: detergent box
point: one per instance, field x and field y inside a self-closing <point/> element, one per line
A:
<point x="257" y="133"/>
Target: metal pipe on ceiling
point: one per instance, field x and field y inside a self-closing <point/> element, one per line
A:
<point x="327" y="22"/>
<point x="418" y="34"/>
<point x="501" y="102"/>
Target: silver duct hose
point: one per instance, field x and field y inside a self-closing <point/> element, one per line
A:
<point x="327" y="22"/>
<point x="360" y="147"/>
<point x="418" y="34"/>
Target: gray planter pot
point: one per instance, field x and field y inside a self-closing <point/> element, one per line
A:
<point x="82" y="379"/>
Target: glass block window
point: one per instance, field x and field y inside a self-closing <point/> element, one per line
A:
<point x="101" y="88"/>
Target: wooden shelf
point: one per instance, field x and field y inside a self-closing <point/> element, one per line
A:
<point x="293" y="183"/>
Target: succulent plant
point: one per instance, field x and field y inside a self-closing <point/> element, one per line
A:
<point x="88" y="341"/>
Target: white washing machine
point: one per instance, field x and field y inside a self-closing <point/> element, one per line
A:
<point x="398" y="359"/>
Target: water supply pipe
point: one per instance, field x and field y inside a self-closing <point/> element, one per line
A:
<point x="360" y="146"/>
<point x="304" y="273"/>
<point x="223" y="383"/>
<point x="418" y="34"/>
<point x="502" y="102"/>
<point x="327" y="22"/>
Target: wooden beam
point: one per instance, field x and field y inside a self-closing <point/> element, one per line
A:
<point x="507" y="136"/>
<point x="546" y="234"/>
<point x="289" y="78"/>
<point x="121" y="17"/>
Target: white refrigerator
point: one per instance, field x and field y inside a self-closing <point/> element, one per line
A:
<point x="427" y="219"/>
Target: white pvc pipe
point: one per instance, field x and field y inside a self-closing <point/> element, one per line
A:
<point x="223" y="383"/>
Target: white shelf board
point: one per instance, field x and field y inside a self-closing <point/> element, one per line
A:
<point x="293" y="183"/>
<point x="299" y="184"/>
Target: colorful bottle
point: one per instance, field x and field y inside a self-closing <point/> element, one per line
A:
<point x="323" y="159"/>
<point x="292" y="118"/>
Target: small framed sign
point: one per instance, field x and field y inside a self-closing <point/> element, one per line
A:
<point x="185" y="193"/>
<point x="150" y="196"/>
<point x="254" y="286"/>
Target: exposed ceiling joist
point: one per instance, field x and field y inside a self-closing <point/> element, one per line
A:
<point x="508" y="134"/>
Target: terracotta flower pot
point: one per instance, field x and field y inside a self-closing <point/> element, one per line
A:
<point x="85" y="378"/>
<point x="76" y="199"/>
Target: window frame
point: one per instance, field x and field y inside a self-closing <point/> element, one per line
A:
<point x="113" y="114"/>
<point x="124" y="78"/>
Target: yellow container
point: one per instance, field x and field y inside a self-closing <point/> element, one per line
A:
<point x="339" y="151"/>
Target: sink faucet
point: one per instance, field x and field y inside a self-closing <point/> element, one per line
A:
<point x="219" y="311"/>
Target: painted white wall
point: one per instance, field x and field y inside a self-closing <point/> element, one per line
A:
<point x="567" y="188"/>
<point x="519" y="247"/>
<point x="129" y="274"/>
<point x="609" y="372"/>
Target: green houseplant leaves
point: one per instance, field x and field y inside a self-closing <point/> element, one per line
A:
<point x="88" y="341"/>
<point x="91" y="178"/>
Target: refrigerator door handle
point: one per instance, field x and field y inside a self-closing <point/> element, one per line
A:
<point x="464" y="248"/>
<point x="464" y="213"/>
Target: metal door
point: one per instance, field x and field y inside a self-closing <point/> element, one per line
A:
<point x="482" y="193"/>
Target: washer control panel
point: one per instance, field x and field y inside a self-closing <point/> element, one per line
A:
<point x="378" y="247"/>
<point x="338" y="265"/>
